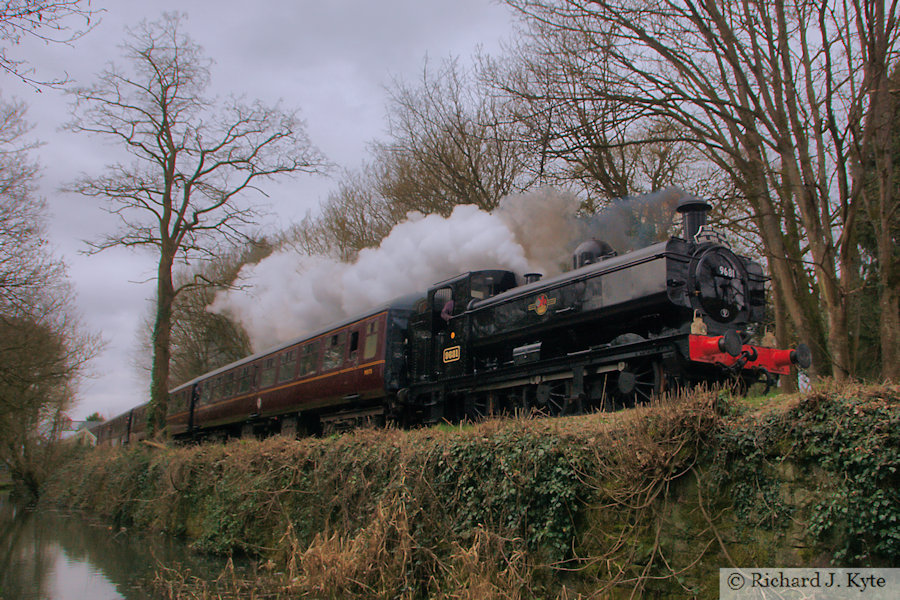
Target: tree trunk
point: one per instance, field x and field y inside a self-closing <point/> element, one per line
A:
<point x="781" y="245"/>
<point x="884" y="138"/>
<point x="782" y="336"/>
<point x="890" y="332"/>
<point x="162" y="333"/>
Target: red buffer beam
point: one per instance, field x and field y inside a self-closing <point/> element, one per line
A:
<point x="723" y="350"/>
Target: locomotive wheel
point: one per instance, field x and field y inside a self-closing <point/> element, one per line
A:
<point x="641" y="382"/>
<point x="479" y="407"/>
<point x="555" y="400"/>
<point x="476" y="410"/>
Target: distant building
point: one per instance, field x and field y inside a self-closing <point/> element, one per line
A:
<point x="84" y="437"/>
<point x="79" y="432"/>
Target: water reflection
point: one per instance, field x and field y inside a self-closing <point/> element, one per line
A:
<point x="50" y="555"/>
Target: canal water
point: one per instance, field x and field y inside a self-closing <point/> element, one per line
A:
<point x="47" y="554"/>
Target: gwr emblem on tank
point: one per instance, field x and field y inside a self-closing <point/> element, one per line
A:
<point x="542" y="304"/>
<point x="452" y="354"/>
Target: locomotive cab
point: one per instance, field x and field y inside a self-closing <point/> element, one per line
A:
<point x="437" y="336"/>
<point x="450" y="298"/>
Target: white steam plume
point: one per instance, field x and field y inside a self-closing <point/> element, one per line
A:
<point x="289" y="294"/>
<point x="545" y="223"/>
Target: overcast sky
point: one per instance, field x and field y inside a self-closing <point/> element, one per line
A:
<point x="329" y="58"/>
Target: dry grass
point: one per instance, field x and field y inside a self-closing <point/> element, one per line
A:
<point x="589" y="506"/>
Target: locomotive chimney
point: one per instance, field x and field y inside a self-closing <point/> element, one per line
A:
<point x="694" y="211"/>
<point x="532" y="277"/>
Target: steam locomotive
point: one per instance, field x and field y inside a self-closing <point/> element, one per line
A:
<point x="614" y="331"/>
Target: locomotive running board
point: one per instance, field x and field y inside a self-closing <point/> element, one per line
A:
<point x="538" y="379"/>
<point x="597" y="360"/>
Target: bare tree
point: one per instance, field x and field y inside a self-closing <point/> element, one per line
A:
<point x="354" y="217"/>
<point x="604" y="146"/>
<point x="24" y="267"/>
<point x="875" y="137"/>
<point x="48" y="21"/>
<point x="450" y="144"/>
<point x="202" y="340"/>
<point x="878" y="240"/>
<point x="784" y="96"/>
<point x="193" y="161"/>
<point x="42" y="350"/>
<point x="42" y="354"/>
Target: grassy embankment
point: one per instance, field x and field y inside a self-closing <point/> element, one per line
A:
<point x="652" y="500"/>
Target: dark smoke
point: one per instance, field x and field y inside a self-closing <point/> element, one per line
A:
<point x="631" y="223"/>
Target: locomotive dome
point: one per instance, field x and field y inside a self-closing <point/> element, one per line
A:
<point x="590" y="252"/>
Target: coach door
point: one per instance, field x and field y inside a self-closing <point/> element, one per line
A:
<point x="355" y="335"/>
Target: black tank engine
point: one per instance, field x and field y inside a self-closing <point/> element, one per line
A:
<point x="615" y="330"/>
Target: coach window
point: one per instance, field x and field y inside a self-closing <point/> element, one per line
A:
<point x="244" y="380"/>
<point x="288" y="364"/>
<point x="205" y="389"/>
<point x="178" y="403"/>
<point x="371" y="346"/>
<point x="309" y="359"/>
<point x="228" y="385"/>
<point x="334" y="351"/>
<point x="267" y="377"/>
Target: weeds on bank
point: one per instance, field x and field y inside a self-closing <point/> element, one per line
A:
<point x="635" y="503"/>
<point x="830" y="459"/>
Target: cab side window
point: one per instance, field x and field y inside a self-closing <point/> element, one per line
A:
<point x="444" y="306"/>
